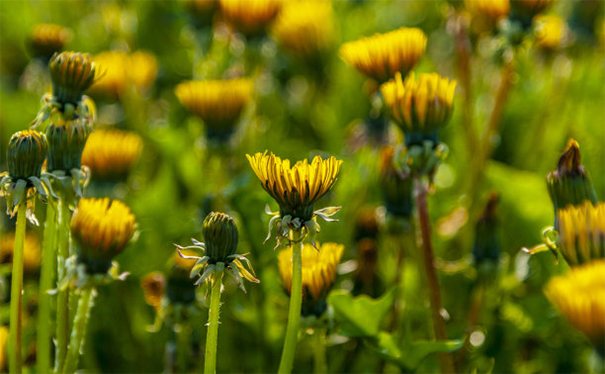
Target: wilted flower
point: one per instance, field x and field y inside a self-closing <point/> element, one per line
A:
<point x="46" y="39"/>
<point x="397" y="189"/>
<point x="381" y="56"/>
<point x="570" y="183"/>
<point x="24" y="181"/>
<point x="580" y="296"/>
<point x="250" y="17"/>
<point x="221" y="237"/>
<point x="111" y="154"/>
<point x="305" y="28"/>
<point x="123" y="70"/>
<point x="318" y="274"/>
<point x="31" y="251"/>
<point x="102" y="229"/>
<point x="420" y="107"/>
<point x="218" y="103"/>
<point x="582" y="232"/>
<point x="549" y="32"/>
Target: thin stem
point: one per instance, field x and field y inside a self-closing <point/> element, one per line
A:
<point x="287" y="357"/>
<point x="445" y="359"/>
<point x="15" y="359"/>
<point x="62" y="295"/>
<point x="182" y="341"/>
<point x="407" y="241"/>
<point x="47" y="275"/>
<point x="319" y="351"/>
<point x="212" y="335"/>
<point x="76" y="342"/>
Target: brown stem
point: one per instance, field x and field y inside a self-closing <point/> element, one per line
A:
<point x="445" y="359"/>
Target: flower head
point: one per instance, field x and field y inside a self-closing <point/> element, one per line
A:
<point x="111" y="154"/>
<point x="24" y="180"/>
<point x="154" y="288"/>
<point x="570" y="183"/>
<point x="420" y="107"/>
<point x="31" y="251"/>
<point x="250" y="17"/>
<point x="318" y="274"/>
<point x="580" y="296"/>
<point x="582" y="232"/>
<point x="102" y="229"/>
<point x="218" y="103"/>
<point x="549" y="32"/>
<point x="218" y="251"/>
<point x="46" y="39"/>
<point x="488" y="12"/>
<point x="72" y="73"/>
<point x="305" y="28"/>
<point x="123" y="70"/>
<point x="381" y="56"/>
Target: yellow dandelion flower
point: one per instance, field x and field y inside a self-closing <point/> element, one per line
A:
<point x="154" y="288"/>
<point x="31" y="251"/>
<point x="305" y="28"/>
<point x="218" y="103"/>
<point x="580" y="296"/>
<point x="297" y="188"/>
<point x="123" y="70"/>
<point x="582" y="232"/>
<point x="111" y="154"/>
<point x="102" y="229"/>
<point x="46" y="39"/>
<point x="382" y="55"/>
<point x="250" y="17"/>
<point x="420" y="107"/>
<point x="549" y="32"/>
<point x="318" y="273"/>
<point x="491" y="11"/>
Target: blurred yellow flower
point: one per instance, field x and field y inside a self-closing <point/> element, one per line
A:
<point x="487" y="13"/>
<point x="102" y="228"/>
<point x="154" y="288"/>
<point x="111" y="154"/>
<point x="549" y="32"/>
<point x="250" y="17"/>
<point x="46" y="39"/>
<point x="218" y="103"/>
<point x="305" y="28"/>
<point x="420" y="107"/>
<point x="123" y="70"/>
<point x="31" y="251"/>
<point x="295" y="188"/>
<point x="580" y="296"/>
<point x="3" y="340"/>
<point x="382" y="55"/>
<point x="318" y="272"/>
<point x="582" y="232"/>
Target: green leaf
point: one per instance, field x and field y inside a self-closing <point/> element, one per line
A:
<point x="360" y="316"/>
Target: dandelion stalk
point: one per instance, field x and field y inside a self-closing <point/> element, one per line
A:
<point x="16" y="293"/>
<point x="78" y="333"/>
<point x="319" y="351"/>
<point x="445" y="359"/>
<point x="47" y="273"/>
<point x="287" y="358"/>
<point x="182" y="340"/>
<point x="62" y="295"/>
<point x="212" y="335"/>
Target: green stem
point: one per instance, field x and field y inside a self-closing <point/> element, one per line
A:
<point x="319" y="351"/>
<point x="78" y="333"/>
<point x="182" y="341"/>
<point x="445" y="359"/>
<point x="15" y="359"/>
<point x="213" y="314"/>
<point x="47" y="275"/>
<point x="287" y="357"/>
<point x="62" y="295"/>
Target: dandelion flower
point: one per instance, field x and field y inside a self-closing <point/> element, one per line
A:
<point x="250" y="17"/>
<point x="318" y="274"/>
<point x="46" y="39"/>
<point x="582" y="232"/>
<point x="580" y="296"/>
<point x="111" y="154"/>
<point x="154" y="288"/>
<point x="420" y="107"/>
<point x="549" y="32"/>
<point x="381" y="56"/>
<point x="488" y="11"/>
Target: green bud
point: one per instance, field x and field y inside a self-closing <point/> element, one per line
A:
<point x="66" y="141"/>
<point x="71" y="74"/>
<point x="26" y="153"/>
<point x="221" y="236"/>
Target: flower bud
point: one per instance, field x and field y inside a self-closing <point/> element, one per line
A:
<point x="221" y="236"/>
<point x="66" y="141"/>
<point x="26" y="153"/>
<point x="71" y="74"/>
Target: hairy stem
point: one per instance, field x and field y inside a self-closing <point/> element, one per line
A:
<point x="212" y="335"/>
<point x="15" y="359"/>
<point x="78" y="333"/>
<point x="62" y="295"/>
